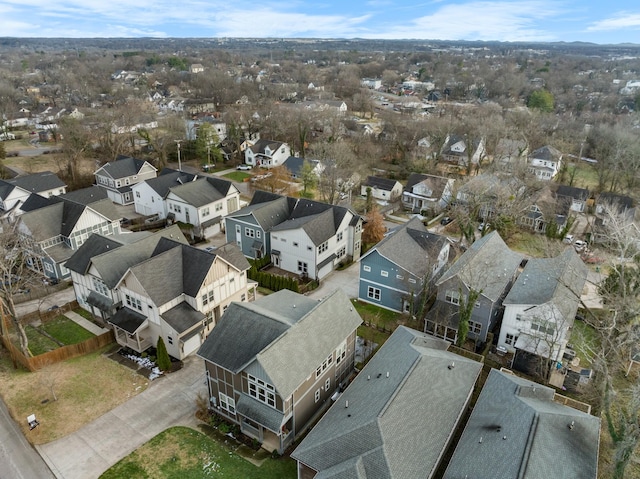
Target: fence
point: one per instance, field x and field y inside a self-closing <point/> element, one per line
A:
<point x="44" y="315"/>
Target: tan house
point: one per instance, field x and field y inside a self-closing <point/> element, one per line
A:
<point x="273" y="364"/>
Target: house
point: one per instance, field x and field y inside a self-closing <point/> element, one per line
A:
<point x="273" y="364"/>
<point x="613" y="212"/>
<point x="487" y="193"/>
<point x="53" y="232"/>
<point x="519" y="428"/>
<point x="484" y="273"/>
<point x="118" y="176"/>
<point x="45" y="184"/>
<point x="267" y="153"/>
<point x="398" y="416"/>
<point x="608" y="204"/>
<point x="427" y="192"/>
<point x="510" y="155"/>
<point x="545" y="163"/>
<point x="575" y="197"/>
<point x="196" y="68"/>
<point x="304" y="237"/>
<point x="294" y="164"/>
<point x="203" y="203"/>
<point x="97" y="266"/>
<point x="541" y="305"/>
<point x="372" y="83"/>
<point x="456" y="150"/>
<point x="149" y="195"/>
<point x="396" y="272"/>
<point x="179" y="294"/>
<point x="545" y="210"/>
<point x="382" y="189"/>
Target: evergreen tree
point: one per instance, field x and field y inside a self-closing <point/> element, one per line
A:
<point x="163" y="361"/>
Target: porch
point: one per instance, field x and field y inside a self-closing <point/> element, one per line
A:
<point x="131" y="329"/>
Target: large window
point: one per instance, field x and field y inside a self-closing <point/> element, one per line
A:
<point x="303" y="267"/>
<point x="323" y="367"/>
<point x="341" y="352"/>
<point x="510" y="339"/>
<point x="207" y="298"/>
<point x="133" y="303"/>
<point x="475" y="327"/>
<point x="99" y="286"/>
<point x="373" y="293"/>
<point x="261" y="390"/>
<point x="452" y="297"/>
<point x="227" y="403"/>
<point x="323" y="247"/>
<point x="542" y="328"/>
<point x="249" y="232"/>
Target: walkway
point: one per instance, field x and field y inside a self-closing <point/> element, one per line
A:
<point x="347" y="280"/>
<point x="86" y="324"/>
<point x="167" y="402"/>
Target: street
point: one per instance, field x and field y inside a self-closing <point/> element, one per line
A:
<point x="17" y="458"/>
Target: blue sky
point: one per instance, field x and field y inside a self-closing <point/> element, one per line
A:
<point x="597" y="21"/>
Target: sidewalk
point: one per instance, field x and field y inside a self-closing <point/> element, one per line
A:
<point x="167" y="402"/>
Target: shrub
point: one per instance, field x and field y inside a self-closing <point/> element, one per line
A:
<point x="164" y="362"/>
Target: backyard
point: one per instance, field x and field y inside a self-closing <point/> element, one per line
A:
<point x="183" y="453"/>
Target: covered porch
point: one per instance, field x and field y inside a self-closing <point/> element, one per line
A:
<point x="264" y="423"/>
<point x="131" y="330"/>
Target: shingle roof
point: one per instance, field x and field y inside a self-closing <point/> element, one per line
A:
<point x="86" y="196"/>
<point x="95" y="245"/>
<point x="202" y="191"/>
<point x="183" y="317"/>
<point x="287" y="336"/>
<point x="436" y="184"/>
<point x="123" y="167"/>
<point x="547" y="152"/>
<point x="261" y="144"/>
<point x="517" y="430"/>
<point x="411" y="247"/>
<point x="488" y="266"/>
<point x="395" y="426"/>
<point x="167" y="179"/>
<point x="128" y="319"/>
<point x="380" y="183"/>
<point x="33" y="202"/>
<point x="38" y="182"/>
<point x="294" y="164"/>
<point x="5" y="189"/>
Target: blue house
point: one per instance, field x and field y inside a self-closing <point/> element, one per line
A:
<point x="394" y="272"/>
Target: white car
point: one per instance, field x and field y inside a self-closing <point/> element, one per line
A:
<point x="243" y="167"/>
<point x="568" y="239"/>
<point x="579" y="245"/>
<point x="7" y="136"/>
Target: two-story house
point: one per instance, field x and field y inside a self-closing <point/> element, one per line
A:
<point x="267" y="153"/>
<point x="97" y="266"/>
<point x="519" y="428"/>
<point x="203" y="203"/>
<point x="178" y="294"/>
<point x="459" y="151"/>
<point x="545" y="163"/>
<point x="149" y="195"/>
<point x="398" y="272"/>
<point x="575" y="198"/>
<point x="274" y="363"/>
<point x="16" y="191"/>
<point x="487" y="269"/>
<point x="541" y="305"/>
<point x="427" y="192"/>
<point x="55" y="231"/>
<point x="118" y="176"/>
<point x="398" y="416"/>
<point x="382" y="189"/>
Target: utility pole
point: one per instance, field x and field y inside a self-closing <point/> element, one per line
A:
<point x="179" y="163"/>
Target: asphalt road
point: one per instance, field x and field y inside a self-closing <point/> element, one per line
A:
<point x="18" y="460"/>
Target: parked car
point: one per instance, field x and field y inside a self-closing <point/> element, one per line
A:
<point x="484" y="226"/>
<point x="243" y="167"/>
<point x="568" y="239"/>
<point x="579" y="245"/>
<point x="206" y="168"/>
<point x="446" y="220"/>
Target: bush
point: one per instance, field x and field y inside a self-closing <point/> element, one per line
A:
<point x="164" y="361"/>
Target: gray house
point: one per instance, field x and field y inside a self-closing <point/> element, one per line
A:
<point x="397" y="418"/>
<point x="427" y="192"/>
<point x="393" y="273"/>
<point x="488" y="268"/>
<point x="518" y="429"/>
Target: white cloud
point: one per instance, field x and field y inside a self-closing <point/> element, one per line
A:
<point x="618" y="21"/>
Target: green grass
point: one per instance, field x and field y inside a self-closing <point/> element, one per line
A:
<point x="584" y="339"/>
<point x="376" y="315"/>
<point x="183" y="453"/>
<point x="38" y="342"/>
<point x="66" y="331"/>
<point x="84" y="313"/>
<point x="237" y="176"/>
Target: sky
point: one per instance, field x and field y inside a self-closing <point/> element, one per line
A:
<point x="596" y="21"/>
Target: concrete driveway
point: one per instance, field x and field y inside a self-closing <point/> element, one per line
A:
<point x="167" y="402"/>
<point x="346" y="280"/>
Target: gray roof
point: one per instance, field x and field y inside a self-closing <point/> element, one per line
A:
<point x="233" y="255"/>
<point x="168" y="178"/>
<point x="128" y="319"/>
<point x="123" y="167"/>
<point x="95" y="245"/>
<point x="262" y="144"/>
<point x="286" y="335"/>
<point x="397" y="426"/>
<point x="266" y="214"/>
<point x="294" y="164"/>
<point x="183" y="317"/>
<point x="517" y="430"/>
<point x="5" y="189"/>
<point x="258" y="411"/>
<point x="436" y="184"/>
<point x="380" y="183"/>
<point x="202" y="191"/>
<point x="44" y="223"/>
<point x="411" y="247"/>
<point x="547" y="152"/>
<point x="488" y="266"/>
<point x="558" y="280"/>
<point x="38" y="182"/>
<point x="86" y="196"/>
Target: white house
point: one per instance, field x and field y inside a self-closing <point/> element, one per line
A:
<point x="382" y="189"/>
<point x="427" y="192"/>
<point x="545" y="163"/>
<point x="149" y="195"/>
<point x="267" y="153"/>
<point x="118" y="176"/>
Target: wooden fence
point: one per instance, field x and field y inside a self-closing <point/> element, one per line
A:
<point x="45" y="315"/>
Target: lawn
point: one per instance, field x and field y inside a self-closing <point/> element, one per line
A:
<point x="238" y="176"/>
<point x="376" y="315"/>
<point x="183" y="453"/>
<point x="66" y="331"/>
<point x="86" y="387"/>
<point x="583" y="339"/>
<point x="85" y="314"/>
<point x="536" y="245"/>
<point x="38" y="342"/>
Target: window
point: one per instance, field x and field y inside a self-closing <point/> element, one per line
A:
<point x="227" y="403"/>
<point x="295" y="243"/>
<point x="341" y="352"/>
<point x="99" y="286"/>
<point x="309" y="248"/>
<point x="518" y="317"/>
<point x="218" y="206"/>
<point x="48" y="267"/>
<point x="205" y="211"/>
<point x="452" y="297"/>
<point x="303" y="267"/>
<point x="373" y="293"/>
<point x="261" y="390"/>
<point x="399" y="276"/>
<point x="323" y="247"/>
<point x="366" y="268"/>
<point x="340" y="235"/>
<point x="132" y="302"/>
<point x="341" y="252"/>
<point x="249" y="232"/>
<point x="207" y="298"/>
<point x="542" y="328"/>
<point x="177" y="208"/>
<point x="510" y="339"/>
<point x="327" y="384"/>
<point x="316" y="396"/>
<point x="477" y="305"/>
<point x="325" y="364"/>
<point x="243" y="298"/>
<point x="137" y="194"/>
<point x="258" y="234"/>
<point x="475" y="327"/>
<point x="356" y="247"/>
<point x="169" y="340"/>
<point x="384" y="274"/>
<point x="412" y="280"/>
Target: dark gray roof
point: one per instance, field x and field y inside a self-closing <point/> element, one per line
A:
<point x="101" y="302"/>
<point x="123" y="167"/>
<point x="232" y="254"/>
<point x="5" y="189"/>
<point x="167" y="179"/>
<point x="380" y="183"/>
<point x="294" y="164"/>
<point x="183" y="317"/>
<point x="572" y="192"/>
<point x="261" y="144"/>
<point x="128" y="319"/>
<point x="35" y="201"/>
<point x="517" y="430"/>
<point x="38" y="182"/>
<point x="86" y="196"/>
<point x="411" y="247"/>
<point x="258" y="411"/>
<point x="267" y="214"/>
<point x="44" y="223"/>
<point x="95" y="245"/>
<point x="547" y="152"/>
<point x="395" y="426"/>
<point x="284" y="335"/>
<point x="488" y="266"/>
<point x="436" y="184"/>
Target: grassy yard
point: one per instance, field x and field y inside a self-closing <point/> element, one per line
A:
<point x="583" y="339"/>
<point x="38" y="342"/>
<point x="535" y="245"/>
<point x="84" y="313"/>
<point x="86" y="388"/>
<point x="237" y="176"/>
<point x="376" y="315"/>
<point x="183" y="453"/>
<point x="66" y="331"/>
